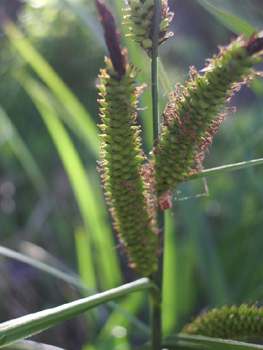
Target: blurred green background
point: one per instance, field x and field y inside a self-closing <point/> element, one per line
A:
<point x="51" y="202"/>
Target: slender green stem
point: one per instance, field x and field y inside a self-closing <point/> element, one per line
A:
<point x="157" y="18"/>
<point x="226" y="168"/>
<point x="156" y="295"/>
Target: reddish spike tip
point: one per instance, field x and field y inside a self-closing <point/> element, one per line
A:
<point x="112" y="38"/>
<point x="255" y="44"/>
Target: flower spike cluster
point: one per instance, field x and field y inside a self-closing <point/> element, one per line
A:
<point x="228" y="323"/>
<point x="193" y="117"/>
<point x="139" y="17"/>
<point x="121" y="156"/>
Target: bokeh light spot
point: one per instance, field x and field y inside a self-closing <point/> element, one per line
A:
<point x="212" y="208"/>
<point x="119" y="332"/>
<point x="7" y="189"/>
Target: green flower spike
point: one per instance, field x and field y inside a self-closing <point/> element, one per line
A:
<point x="139" y="18"/>
<point x="193" y="117"/>
<point x="228" y="323"/>
<point x="121" y="160"/>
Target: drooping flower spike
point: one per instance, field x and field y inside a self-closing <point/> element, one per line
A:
<point x="140" y="19"/>
<point x="121" y="156"/>
<point x="228" y="323"/>
<point x="193" y="117"/>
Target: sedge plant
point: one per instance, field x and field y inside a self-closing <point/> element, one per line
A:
<point x="190" y="122"/>
<point x="139" y="187"/>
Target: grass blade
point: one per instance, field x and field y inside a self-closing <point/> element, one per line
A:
<point x="231" y="22"/>
<point x="82" y="121"/>
<point x="84" y="254"/>
<point x="30" y="345"/>
<point x="184" y="342"/>
<point x="66" y="277"/>
<point x="226" y="168"/>
<point x="11" y="136"/>
<point x="91" y="211"/>
<point x="70" y="278"/>
<point x="170" y="297"/>
<point x="28" y="325"/>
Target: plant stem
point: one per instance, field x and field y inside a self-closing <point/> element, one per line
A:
<point x="156" y="294"/>
<point x="157" y="18"/>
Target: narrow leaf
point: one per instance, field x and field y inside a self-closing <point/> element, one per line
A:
<point x="184" y="342"/>
<point x="70" y="278"/>
<point x="170" y="277"/>
<point x="92" y="214"/>
<point x="226" y="168"/>
<point x="30" y="345"/>
<point x="231" y="22"/>
<point x="11" y="136"/>
<point x="84" y="257"/>
<point x="66" y="277"/>
<point x="81" y="118"/>
<point x="28" y="325"/>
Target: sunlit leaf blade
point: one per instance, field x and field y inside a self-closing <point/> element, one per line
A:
<point x="232" y="22"/>
<point x="185" y="342"/>
<point x="84" y="257"/>
<point x="92" y="214"/>
<point x="226" y="168"/>
<point x="30" y="345"/>
<point x="70" y="278"/>
<point x="186" y="288"/>
<point x="83" y="123"/>
<point x="9" y="134"/>
<point x="70" y="160"/>
<point x="170" y="287"/>
<point x="249" y="11"/>
<point x="26" y="326"/>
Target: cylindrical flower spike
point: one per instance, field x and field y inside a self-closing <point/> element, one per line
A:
<point x="139" y="17"/>
<point x="121" y="164"/>
<point x="193" y="117"/>
<point x="122" y="157"/>
<point x="228" y="323"/>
